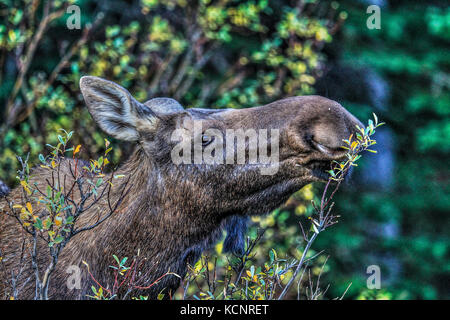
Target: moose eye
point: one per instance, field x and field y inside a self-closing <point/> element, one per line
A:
<point x="206" y="140"/>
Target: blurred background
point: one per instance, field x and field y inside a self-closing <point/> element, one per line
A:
<point x="238" y="54"/>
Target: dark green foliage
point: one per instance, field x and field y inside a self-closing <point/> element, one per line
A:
<point x="403" y="227"/>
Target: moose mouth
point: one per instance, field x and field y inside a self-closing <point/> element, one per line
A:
<point x="319" y="169"/>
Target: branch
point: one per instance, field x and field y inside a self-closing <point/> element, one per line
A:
<point x="23" y="68"/>
<point x="62" y="63"/>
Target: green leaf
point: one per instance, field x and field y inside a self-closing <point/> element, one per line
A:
<point x="61" y="140"/>
<point x="274" y="254"/>
<point x="69" y="220"/>
<point x="315" y="229"/>
<point x="47" y="223"/>
<point x="38" y="224"/>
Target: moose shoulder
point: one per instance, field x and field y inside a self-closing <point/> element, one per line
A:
<point x="176" y="208"/>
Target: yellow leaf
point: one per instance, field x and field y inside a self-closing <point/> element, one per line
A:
<point x="29" y="207"/>
<point x="219" y="247"/>
<point x="107" y="151"/>
<point x="249" y="273"/>
<point x="17" y="206"/>
<point x="53" y="164"/>
<point x="77" y="149"/>
<point x="58" y="221"/>
<point x="12" y="35"/>
<point x="351" y="137"/>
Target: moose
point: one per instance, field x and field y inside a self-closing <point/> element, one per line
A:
<point x="173" y="212"/>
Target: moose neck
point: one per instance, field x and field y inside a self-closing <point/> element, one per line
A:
<point x="159" y="219"/>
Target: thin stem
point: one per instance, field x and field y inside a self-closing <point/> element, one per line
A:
<point x="299" y="266"/>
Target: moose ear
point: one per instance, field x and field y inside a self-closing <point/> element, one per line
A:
<point x="115" y="110"/>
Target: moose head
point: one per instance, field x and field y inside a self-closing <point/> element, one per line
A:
<point x="307" y="134"/>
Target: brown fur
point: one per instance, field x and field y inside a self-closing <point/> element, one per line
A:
<point x="174" y="212"/>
